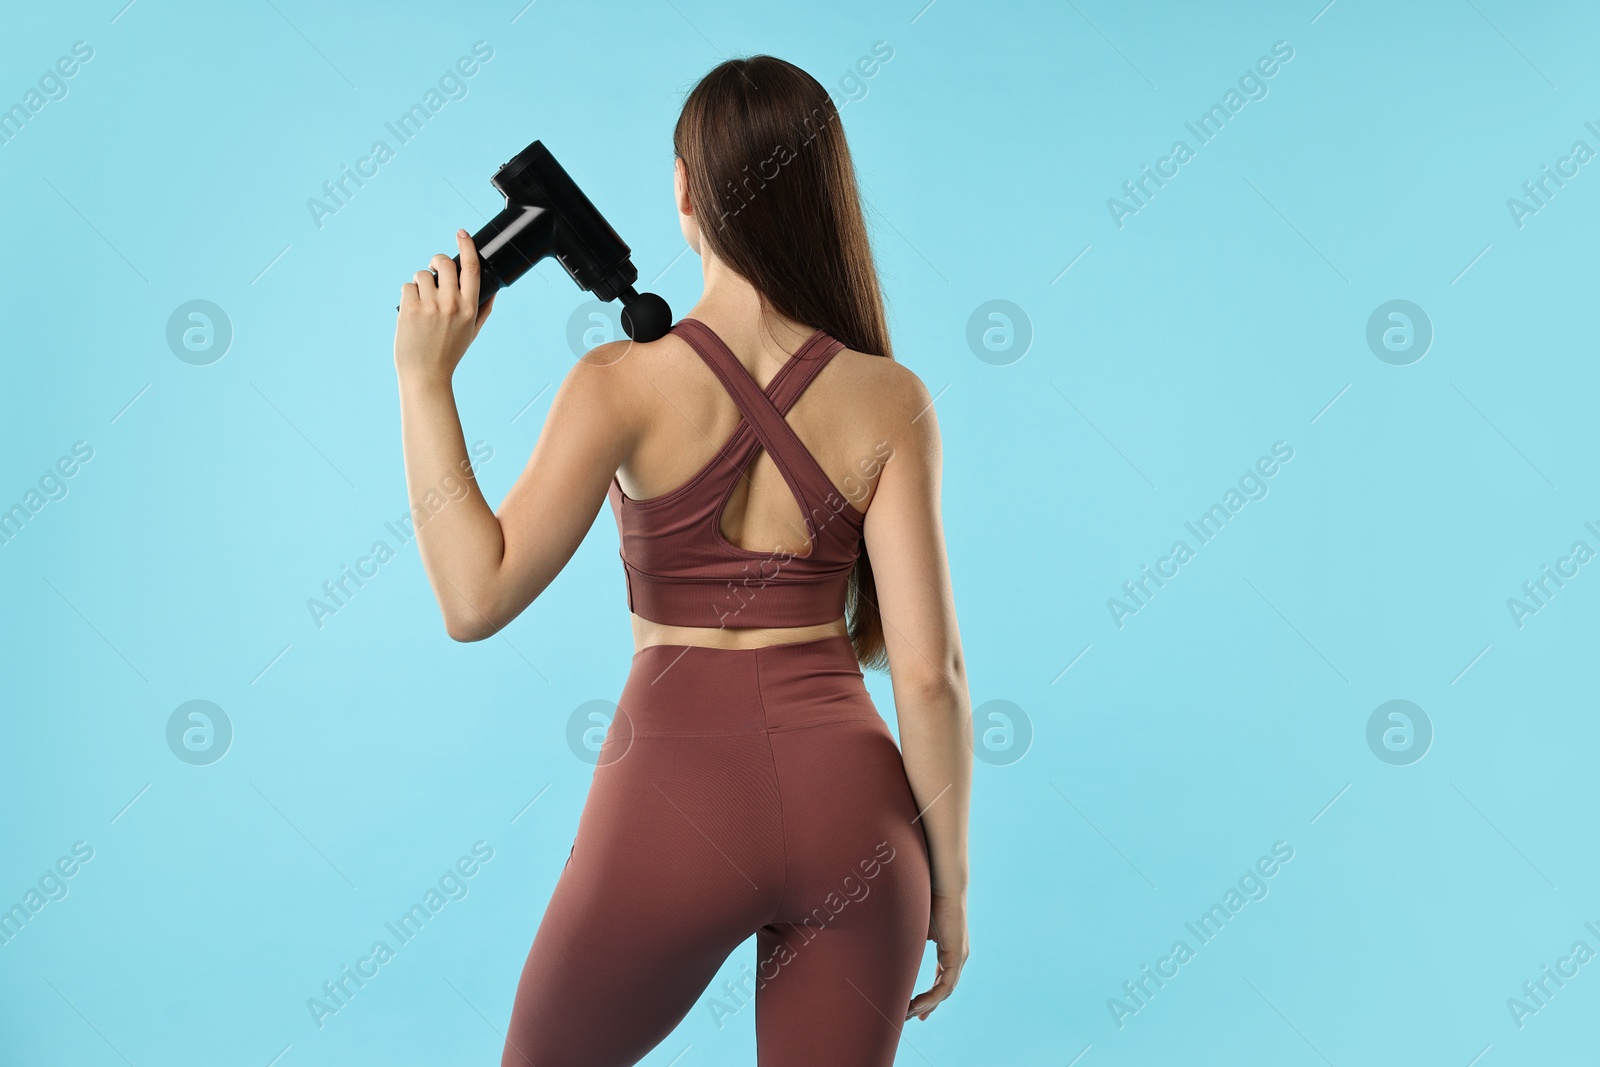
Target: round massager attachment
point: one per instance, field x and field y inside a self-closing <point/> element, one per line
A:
<point x="645" y="316"/>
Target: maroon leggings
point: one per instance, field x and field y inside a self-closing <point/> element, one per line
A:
<point x="738" y="792"/>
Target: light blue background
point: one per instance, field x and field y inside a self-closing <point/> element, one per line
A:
<point x="1230" y="713"/>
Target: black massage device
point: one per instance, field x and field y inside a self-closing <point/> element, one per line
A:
<point x="546" y="214"/>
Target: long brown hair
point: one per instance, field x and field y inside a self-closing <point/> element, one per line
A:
<point x="769" y="175"/>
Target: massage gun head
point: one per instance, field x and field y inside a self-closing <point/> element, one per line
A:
<point x="645" y="316"/>
<point x="546" y="214"/>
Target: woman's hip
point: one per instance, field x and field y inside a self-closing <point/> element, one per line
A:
<point x="698" y="690"/>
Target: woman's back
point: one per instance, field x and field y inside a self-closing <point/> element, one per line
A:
<point x="839" y="418"/>
<point x="712" y="527"/>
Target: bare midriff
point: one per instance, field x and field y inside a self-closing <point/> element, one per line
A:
<point x="647" y="633"/>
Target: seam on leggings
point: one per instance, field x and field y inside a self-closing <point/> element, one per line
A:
<point x="783" y="832"/>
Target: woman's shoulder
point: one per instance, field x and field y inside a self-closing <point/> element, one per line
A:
<point x="892" y="385"/>
<point x="619" y="381"/>
<point x="630" y="366"/>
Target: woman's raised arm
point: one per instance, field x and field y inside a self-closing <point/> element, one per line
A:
<point x="486" y="568"/>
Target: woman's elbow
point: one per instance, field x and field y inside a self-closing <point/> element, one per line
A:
<point x="938" y="683"/>
<point x="470" y="627"/>
<point x="482" y="613"/>
<point x="467" y="633"/>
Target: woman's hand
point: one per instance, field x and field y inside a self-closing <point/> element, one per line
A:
<point x="439" y="320"/>
<point x="947" y="929"/>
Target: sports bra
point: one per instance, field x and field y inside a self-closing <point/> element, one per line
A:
<point x="681" y="570"/>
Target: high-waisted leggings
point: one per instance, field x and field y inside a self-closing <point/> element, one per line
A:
<point x="738" y="792"/>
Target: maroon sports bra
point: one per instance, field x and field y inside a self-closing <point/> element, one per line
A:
<point x="680" y="569"/>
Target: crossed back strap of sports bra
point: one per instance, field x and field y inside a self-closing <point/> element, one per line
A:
<point x="764" y="409"/>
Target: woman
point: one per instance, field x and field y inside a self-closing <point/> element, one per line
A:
<point x="746" y="785"/>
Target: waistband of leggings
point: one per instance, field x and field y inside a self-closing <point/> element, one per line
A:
<point x="698" y="689"/>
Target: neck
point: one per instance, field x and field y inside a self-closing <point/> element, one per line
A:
<point x="733" y="307"/>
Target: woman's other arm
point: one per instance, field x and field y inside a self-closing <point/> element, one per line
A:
<point x="905" y="540"/>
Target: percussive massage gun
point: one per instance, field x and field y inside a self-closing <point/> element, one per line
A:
<point x="546" y="214"/>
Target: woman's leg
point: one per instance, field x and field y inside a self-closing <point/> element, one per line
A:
<point x="678" y="859"/>
<point x="836" y="968"/>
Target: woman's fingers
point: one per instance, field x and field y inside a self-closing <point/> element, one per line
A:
<point x="944" y="984"/>
<point x="924" y="1003"/>
<point x="449" y="290"/>
<point x="470" y="269"/>
<point x="442" y="286"/>
<point x="427" y="288"/>
<point x="950" y="940"/>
